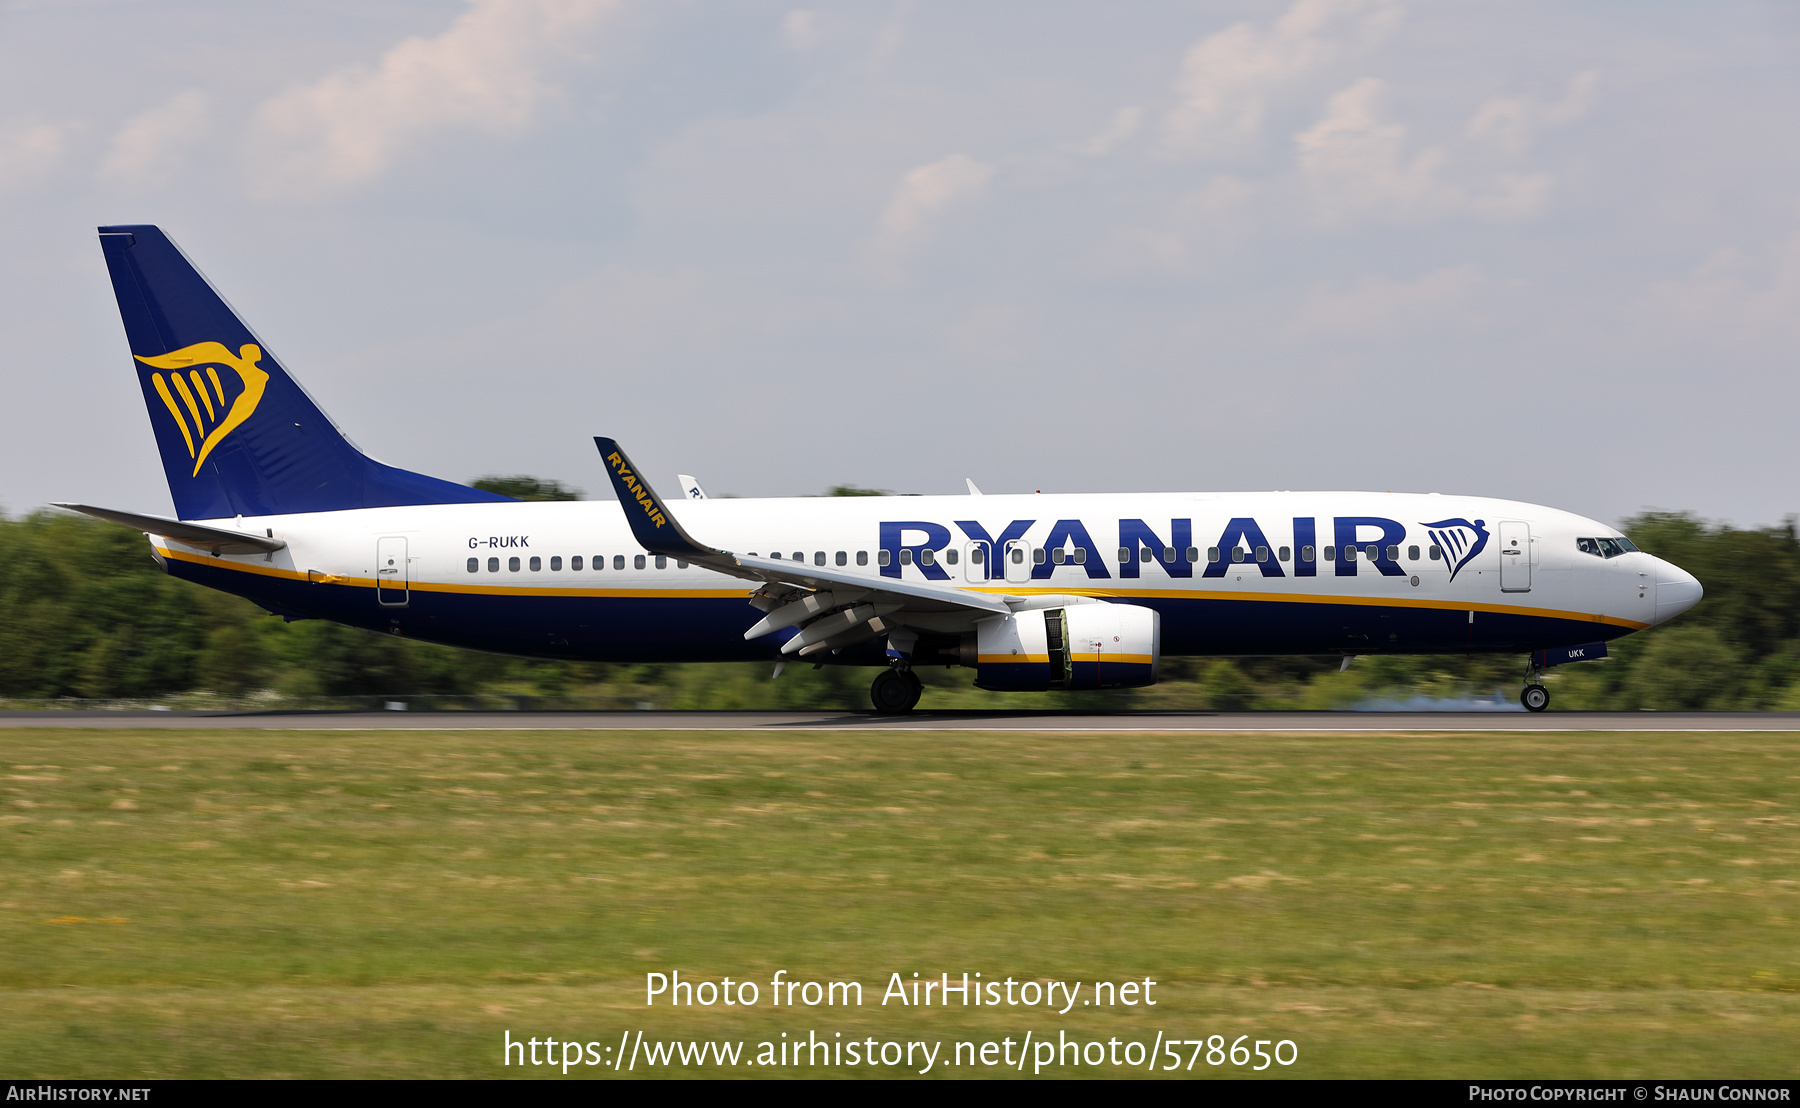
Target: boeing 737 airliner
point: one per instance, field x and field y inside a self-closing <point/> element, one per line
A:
<point x="1033" y="592"/>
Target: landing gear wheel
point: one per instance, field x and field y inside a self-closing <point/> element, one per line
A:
<point x="895" y="692"/>
<point x="1535" y="698"/>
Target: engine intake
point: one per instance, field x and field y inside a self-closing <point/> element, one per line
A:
<point x="1083" y="646"/>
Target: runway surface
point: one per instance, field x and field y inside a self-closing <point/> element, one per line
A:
<point x="1134" y="722"/>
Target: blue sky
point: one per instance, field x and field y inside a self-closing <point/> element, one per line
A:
<point x="1542" y="251"/>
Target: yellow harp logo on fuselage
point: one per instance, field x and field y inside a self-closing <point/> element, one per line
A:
<point x="194" y="391"/>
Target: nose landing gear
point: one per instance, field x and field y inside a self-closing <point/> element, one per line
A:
<point x="1535" y="696"/>
<point x="896" y="691"/>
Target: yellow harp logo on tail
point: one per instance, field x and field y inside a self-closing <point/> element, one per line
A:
<point x="193" y="377"/>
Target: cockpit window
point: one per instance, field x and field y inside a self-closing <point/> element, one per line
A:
<point x="1589" y="546"/>
<point x="1628" y="545"/>
<point x="1611" y="548"/>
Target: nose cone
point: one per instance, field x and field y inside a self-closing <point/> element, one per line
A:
<point x="1676" y="591"/>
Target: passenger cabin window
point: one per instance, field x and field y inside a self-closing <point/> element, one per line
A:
<point x="862" y="557"/>
<point x="1124" y="554"/>
<point x="575" y="563"/>
<point x="512" y="565"/>
<point x="1038" y="556"/>
<point x="1212" y="553"/>
<point x="799" y="555"/>
<point x="1193" y="553"/>
<point x="1393" y="553"/>
<point x="1143" y="554"/>
<point x="662" y="561"/>
<point x="1331" y="554"/>
<point x="556" y="564"/>
<point x="883" y="557"/>
<point x="474" y="564"/>
<point x="1412" y="553"/>
<point x="818" y="557"/>
<point x="619" y="561"/>
<point x="1436" y="552"/>
<point x="843" y="559"/>
<point x="537" y="564"/>
<point x="978" y="556"/>
<point x="949" y="557"/>
<point x="906" y="557"/>
<point x="1282" y="554"/>
<point x="1237" y="553"/>
<point x="1262" y="553"/>
<point x="1306" y="553"/>
<point x="927" y="557"/>
<point x="1058" y="556"/>
<point x="637" y="562"/>
<point x="493" y="565"/>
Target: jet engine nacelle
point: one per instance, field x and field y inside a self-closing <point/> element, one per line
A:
<point x="1082" y="646"/>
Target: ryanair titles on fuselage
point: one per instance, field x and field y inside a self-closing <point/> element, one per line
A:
<point x="1352" y="540"/>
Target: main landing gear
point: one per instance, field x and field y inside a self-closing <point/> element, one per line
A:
<point x="896" y="691"/>
<point x="1535" y="697"/>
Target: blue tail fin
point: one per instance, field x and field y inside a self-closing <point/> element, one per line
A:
<point x="238" y="436"/>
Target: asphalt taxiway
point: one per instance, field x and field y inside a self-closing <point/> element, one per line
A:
<point x="1040" y="721"/>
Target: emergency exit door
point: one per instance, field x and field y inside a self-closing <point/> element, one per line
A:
<point x="1515" y="557"/>
<point x="390" y="572"/>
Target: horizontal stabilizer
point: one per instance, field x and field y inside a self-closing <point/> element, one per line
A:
<point x="220" y="540"/>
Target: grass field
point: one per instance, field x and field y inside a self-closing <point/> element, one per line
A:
<point x="388" y="904"/>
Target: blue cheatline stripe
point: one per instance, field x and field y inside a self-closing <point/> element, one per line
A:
<point x="661" y="629"/>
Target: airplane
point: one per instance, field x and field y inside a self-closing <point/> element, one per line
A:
<point x="1033" y="592"/>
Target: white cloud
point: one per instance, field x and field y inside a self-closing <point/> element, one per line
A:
<point x="486" y="72"/>
<point x="29" y="153"/>
<point x="1228" y="78"/>
<point x="1200" y="226"/>
<point x="802" y="30"/>
<point x="1376" y="305"/>
<point x="922" y="199"/>
<point x="1123" y="126"/>
<point x="1357" y="165"/>
<point x="1513" y="123"/>
<point x="1738" y="294"/>
<point x="149" y="149"/>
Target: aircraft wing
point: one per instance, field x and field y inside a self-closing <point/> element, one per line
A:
<point x="220" y="540"/>
<point x="835" y="607"/>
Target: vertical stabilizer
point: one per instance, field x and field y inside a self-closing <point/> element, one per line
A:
<point x="238" y="436"/>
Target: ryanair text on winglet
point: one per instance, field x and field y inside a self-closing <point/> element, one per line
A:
<point x="631" y="482"/>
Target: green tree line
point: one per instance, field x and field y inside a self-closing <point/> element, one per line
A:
<point x="86" y="613"/>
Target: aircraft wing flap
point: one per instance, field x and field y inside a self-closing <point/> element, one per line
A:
<point x="220" y="540"/>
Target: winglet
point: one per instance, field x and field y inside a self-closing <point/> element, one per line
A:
<point x="690" y="487"/>
<point x="651" y="523"/>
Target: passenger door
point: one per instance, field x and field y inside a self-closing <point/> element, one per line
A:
<point x="390" y="572"/>
<point x="1515" y="557"/>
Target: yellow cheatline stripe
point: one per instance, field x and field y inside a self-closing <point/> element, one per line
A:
<point x="162" y="390"/>
<point x="1021" y="659"/>
<point x="187" y="397"/>
<point x="511" y="590"/>
<point x="213" y="373"/>
<point x="1367" y="601"/>
<point x="205" y="397"/>
<point x="1128" y="659"/>
<point x="434" y="586"/>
